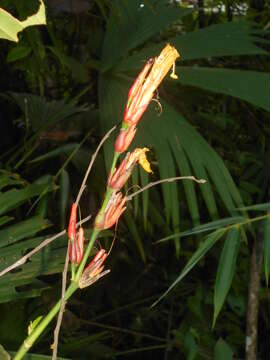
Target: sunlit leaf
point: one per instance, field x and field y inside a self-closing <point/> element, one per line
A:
<point x="10" y="26"/>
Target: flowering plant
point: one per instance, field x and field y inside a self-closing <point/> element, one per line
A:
<point x="114" y="203"/>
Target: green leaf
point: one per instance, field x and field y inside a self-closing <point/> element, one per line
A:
<point x="250" y="86"/>
<point x="64" y="196"/>
<point x="222" y="351"/>
<point x="18" y="53"/>
<point x="5" y="219"/>
<point x="30" y="356"/>
<point x="207" y="227"/>
<point x="7" y="180"/>
<point x="65" y="149"/>
<point x="226" y="269"/>
<point x="257" y="207"/>
<point x="229" y="39"/>
<point x="10" y="26"/>
<point x="204" y="247"/>
<point x="3" y="354"/>
<point x="22" y="230"/>
<point x="13" y="198"/>
<point x="132" y="227"/>
<point x="134" y="25"/>
<point x="267" y="248"/>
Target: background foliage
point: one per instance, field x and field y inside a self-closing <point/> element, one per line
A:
<point x="63" y="85"/>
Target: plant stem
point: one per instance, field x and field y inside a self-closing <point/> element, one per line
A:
<point x="30" y="340"/>
<point x="253" y="295"/>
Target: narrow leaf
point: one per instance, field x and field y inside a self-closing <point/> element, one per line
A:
<point x="226" y="269"/>
<point x="267" y="248"/>
<point x="22" y="230"/>
<point x="204" y="247"/>
<point x="257" y="207"/>
<point x="250" y="86"/>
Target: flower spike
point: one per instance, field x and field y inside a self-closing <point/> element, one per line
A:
<point x="142" y="91"/>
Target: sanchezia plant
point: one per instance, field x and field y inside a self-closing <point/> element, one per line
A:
<point x="114" y="203"/>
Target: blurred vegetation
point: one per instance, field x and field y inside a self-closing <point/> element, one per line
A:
<point x="63" y="85"/>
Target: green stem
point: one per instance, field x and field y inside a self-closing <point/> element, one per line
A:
<point x="92" y="240"/>
<point x="30" y="340"/>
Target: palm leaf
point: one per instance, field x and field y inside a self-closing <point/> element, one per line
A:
<point x="251" y="86"/>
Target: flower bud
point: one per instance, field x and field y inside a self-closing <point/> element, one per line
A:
<point x="124" y="139"/>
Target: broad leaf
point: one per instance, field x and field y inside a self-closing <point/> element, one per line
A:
<point x="222" y="351"/>
<point x="10" y="26"/>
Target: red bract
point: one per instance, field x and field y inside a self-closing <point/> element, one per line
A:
<point x="93" y="272"/>
<point x="72" y="223"/>
<point x="113" y="211"/>
<point x="142" y="91"/>
<point x="124" y="138"/>
<point x="76" y="247"/>
<point x="120" y="176"/>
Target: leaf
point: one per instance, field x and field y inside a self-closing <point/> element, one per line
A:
<point x="30" y="356"/>
<point x="226" y="269"/>
<point x="257" y="207"/>
<point x="5" y="219"/>
<point x="41" y="113"/>
<point x="267" y="248"/>
<point x="131" y="25"/>
<point x="18" y="53"/>
<point x="22" y="230"/>
<point x="13" y="198"/>
<point x="64" y="196"/>
<point x="3" y="354"/>
<point x="222" y="351"/>
<point x="7" y="180"/>
<point x="229" y="39"/>
<point x="250" y="86"/>
<point x="204" y="247"/>
<point x="65" y="149"/>
<point x="135" y="233"/>
<point x="10" y="26"/>
<point x="207" y="227"/>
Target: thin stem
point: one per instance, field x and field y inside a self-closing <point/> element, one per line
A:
<point x="83" y="186"/>
<point x="168" y="180"/>
<point x="44" y="243"/>
<point x="91" y="243"/>
<point x="34" y="335"/>
<point x="62" y="308"/>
